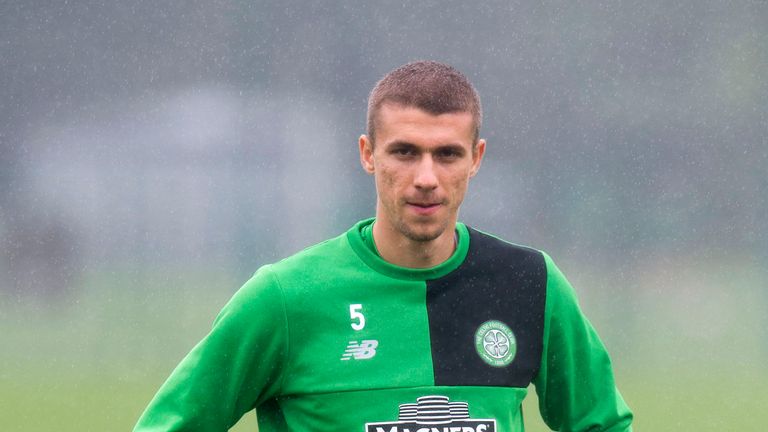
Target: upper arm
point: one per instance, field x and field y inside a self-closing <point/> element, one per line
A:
<point x="575" y="384"/>
<point x="238" y="365"/>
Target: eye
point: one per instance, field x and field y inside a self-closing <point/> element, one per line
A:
<point x="403" y="151"/>
<point x="449" y="154"/>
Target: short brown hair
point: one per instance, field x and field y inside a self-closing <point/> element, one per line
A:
<point x="434" y="87"/>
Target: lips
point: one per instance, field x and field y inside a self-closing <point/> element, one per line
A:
<point x="424" y="208"/>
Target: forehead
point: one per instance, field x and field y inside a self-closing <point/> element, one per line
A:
<point x="416" y="126"/>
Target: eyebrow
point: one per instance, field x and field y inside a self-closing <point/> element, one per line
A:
<point x="399" y="143"/>
<point x="410" y="145"/>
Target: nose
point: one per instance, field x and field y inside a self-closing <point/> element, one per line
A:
<point x="425" y="177"/>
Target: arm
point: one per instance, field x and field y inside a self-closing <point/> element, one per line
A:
<point x="234" y="368"/>
<point x="575" y="384"/>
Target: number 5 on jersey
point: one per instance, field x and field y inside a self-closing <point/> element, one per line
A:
<point x="363" y="350"/>
<point x="357" y="317"/>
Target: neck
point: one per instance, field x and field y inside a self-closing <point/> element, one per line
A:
<point x="402" y="251"/>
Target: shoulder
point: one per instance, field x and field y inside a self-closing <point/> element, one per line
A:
<point x="514" y="271"/>
<point x="534" y="267"/>
<point x="271" y="283"/>
<point x="488" y="249"/>
<point x="317" y="267"/>
<point x="313" y="256"/>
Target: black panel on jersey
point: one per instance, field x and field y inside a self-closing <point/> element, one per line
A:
<point x="497" y="281"/>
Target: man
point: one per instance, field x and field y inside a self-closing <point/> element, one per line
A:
<point x="410" y="321"/>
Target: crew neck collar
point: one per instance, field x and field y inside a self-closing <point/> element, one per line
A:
<point x="373" y="260"/>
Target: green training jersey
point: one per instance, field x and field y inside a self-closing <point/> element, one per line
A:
<point x="335" y="338"/>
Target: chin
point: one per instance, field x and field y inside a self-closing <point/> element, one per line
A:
<point x="422" y="234"/>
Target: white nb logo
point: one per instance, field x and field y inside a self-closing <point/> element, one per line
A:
<point x="360" y="350"/>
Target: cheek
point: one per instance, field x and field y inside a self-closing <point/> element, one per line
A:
<point x="387" y="177"/>
<point x="459" y="187"/>
<point x="384" y="187"/>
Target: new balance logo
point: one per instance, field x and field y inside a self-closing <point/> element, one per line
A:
<point x="360" y="350"/>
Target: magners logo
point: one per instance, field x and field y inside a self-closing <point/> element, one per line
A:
<point x="434" y="414"/>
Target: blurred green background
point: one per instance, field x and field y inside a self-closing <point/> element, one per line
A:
<point x="154" y="154"/>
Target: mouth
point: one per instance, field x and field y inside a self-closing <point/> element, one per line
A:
<point x="424" y="208"/>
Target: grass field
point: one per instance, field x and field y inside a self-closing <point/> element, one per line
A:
<point x="92" y="362"/>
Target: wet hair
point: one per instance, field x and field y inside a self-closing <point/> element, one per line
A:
<point x="434" y="87"/>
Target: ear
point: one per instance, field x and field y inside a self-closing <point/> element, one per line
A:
<point x="477" y="157"/>
<point x="366" y="154"/>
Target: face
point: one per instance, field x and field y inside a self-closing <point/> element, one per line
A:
<point x="422" y="164"/>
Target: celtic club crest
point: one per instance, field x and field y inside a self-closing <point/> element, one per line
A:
<point x="495" y="343"/>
